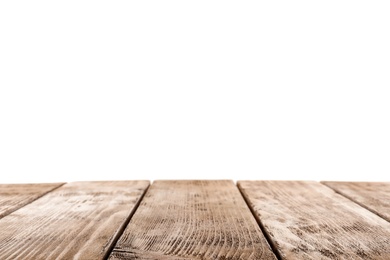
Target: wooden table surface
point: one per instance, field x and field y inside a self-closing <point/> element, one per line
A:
<point x="195" y="219"/>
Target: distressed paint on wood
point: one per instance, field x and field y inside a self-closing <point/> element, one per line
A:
<point x="307" y="220"/>
<point x="374" y="196"/>
<point x="15" y="196"/>
<point x="77" y="221"/>
<point x="192" y="220"/>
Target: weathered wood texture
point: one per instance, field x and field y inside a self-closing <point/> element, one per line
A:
<point x="307" y="220"/>
<point x="79" y="220"/>
<point x="15" y="196"/>
<point x="374" y="196"/>
<point x="192" y="220"/>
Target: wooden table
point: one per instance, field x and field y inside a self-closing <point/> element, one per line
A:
<point x="196" y="219"/>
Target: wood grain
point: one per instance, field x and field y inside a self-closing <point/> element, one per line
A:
<point x="307" y="220"/>
<point x="374" y="196"/>
<point x="192" y="220"/>
<point x="77" y="221"/>
<point x="15" y="196"/>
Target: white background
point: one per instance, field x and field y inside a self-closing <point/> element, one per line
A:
<point x="97" y="90"/>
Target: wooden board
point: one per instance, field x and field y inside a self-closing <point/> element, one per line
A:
<point x="15" y="196"/>
<point x="76" y="221"/>
<point x="374" y="196"/>
<point x="307" y="220"/>
<point x="192" y="220"/>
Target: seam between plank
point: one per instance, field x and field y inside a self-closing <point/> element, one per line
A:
<point x="122" y="228"/>
<point x="265" y="233"/>
<point x="354" y="201"/>
<point x="38" y="197"/>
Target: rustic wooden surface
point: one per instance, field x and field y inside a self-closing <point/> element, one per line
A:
<point x="76" y="221"/>
<point x="374" y="196"/>
<point x="192" y="220"/>
<point x="307" y="220"/>
<point x="195" y="220"/>
<point x="15" y="196"/>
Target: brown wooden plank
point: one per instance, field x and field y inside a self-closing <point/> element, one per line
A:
<point x="192" y="220"/>
<point x="307" y="220"/>
<point x="374" y="196"/>
<point x="79" y="220"/>
<point x="15" y="196"/>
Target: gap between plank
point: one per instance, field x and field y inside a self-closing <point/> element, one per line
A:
<point x="122" y="228"/>
<point x="40" y="196"/>
<point x="354" y="201"/>
<point x="267" y="237"/>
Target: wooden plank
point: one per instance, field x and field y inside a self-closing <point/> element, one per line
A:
<point x="374" y="196"/>
<point x="15" y="196"/>
<point x="307" y="220"/>
<point x="192" y="220"/>
<point x="79" y="220"/>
